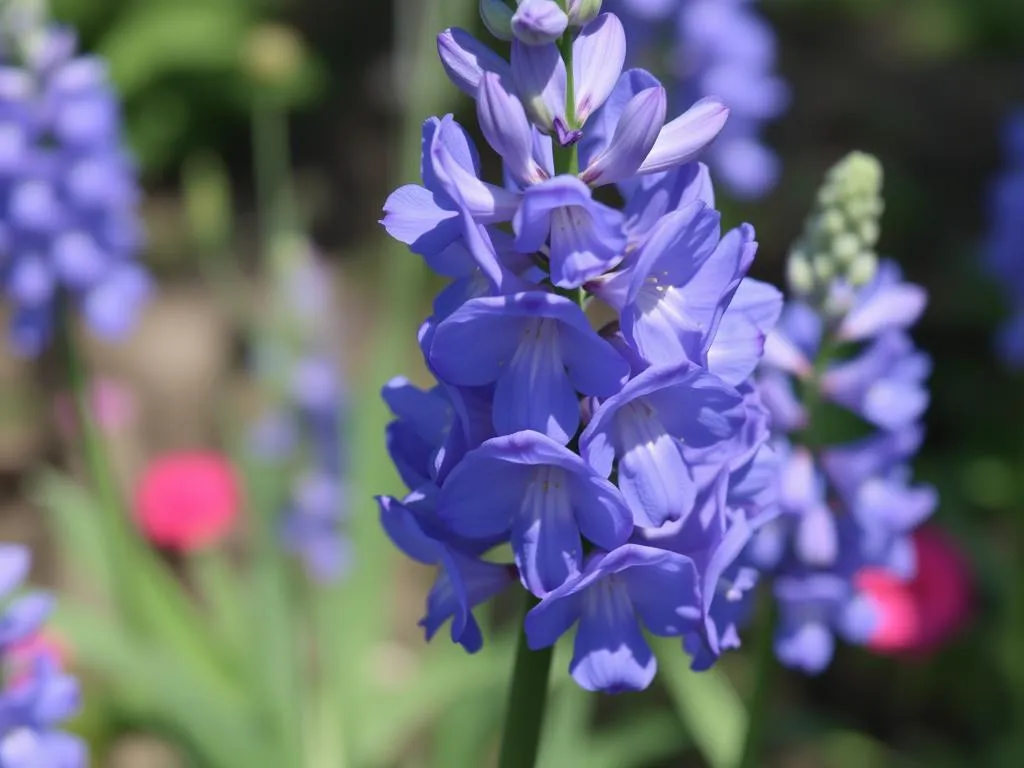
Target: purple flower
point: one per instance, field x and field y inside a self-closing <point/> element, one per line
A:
<point x="69" y="225"/>
<point x="644" y="427"/>
<point x="32" y="708"/>
<point x="537" y="22"/>
<point x="617" y="593"/>
<point x="719" y="48"/>
<point x="426" y="218"/>
<point x="586" y="237"/>
<point x="463" y="581"/>
<point x="545" y="495"/>
<point x="538" y="350"/>
<point x="1005" y="238"/>
<point x="885" y="384"/>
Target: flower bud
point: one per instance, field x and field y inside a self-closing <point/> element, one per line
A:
<point x="583" y="11"/>
<point x="845" y="247"/>
<point x="799" y="273"/>
<point x="538" y="22"/>
<point x="863" y="269"/>
<point x="497" y="16"/>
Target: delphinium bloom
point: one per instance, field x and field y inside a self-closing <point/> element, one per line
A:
<point x="615" y="464"/>
<point x="302" y="427"/>
<point x="69" y="226"/>
<point x="1005" y="246"/>
<point x="34" y="701"/>
<point x="842" y="341"/>
<point x="721" y="48"/>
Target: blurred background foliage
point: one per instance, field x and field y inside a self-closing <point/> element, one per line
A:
<point x="923" y="84"/>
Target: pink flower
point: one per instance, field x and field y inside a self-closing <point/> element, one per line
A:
<point x="187" y="501"/>
<point x="111" y="402"/>
<point x="21" y="658"/>
<point x="919" y="615"/>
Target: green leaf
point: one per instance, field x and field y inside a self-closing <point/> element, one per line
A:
<point x="152" y="39"/>
<point x="708" y="706"/>
<point x="639" y="739"/>
<point x="151" y="681"/>
<point x="73" y="513"/>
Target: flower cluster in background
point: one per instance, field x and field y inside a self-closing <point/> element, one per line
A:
<point x="723" y="48"/>
<point x="36" y="696"/>
<point x="842" y="341"/>
<point x="1005" y="247"/>
<point x="69" y="229"/>
<point x="294" y="358"/>
<point x="622" y="466"/>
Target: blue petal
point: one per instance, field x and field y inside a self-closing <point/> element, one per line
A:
<point x="24" y="617"/>
<point x="540" y="77"/>
<point x="601" y="513"/>
<point x="739" y="343"/>
<point x="598" y="55"/>
<point x="610" y="653"/>
<point x="482" y="494"/>
<point x="14" y="564"/>
<point x="807" y="646"/>
<point x="664" y="593"/>
<point x="405" y="532"/>
<point x="507" y="130"/>
<point x="653" y="477"/>
<point x="682" y="140"/>
<point x="545" y="536"/>
<point x="465" y="59"/>
<point x="634" y="136"/>
<point x="472" y="346"/>
<point x="533" y="391"/>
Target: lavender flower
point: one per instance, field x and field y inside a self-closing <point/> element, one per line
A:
<point x="1006" y="238"/>
<point x="622" y="466"/>
<point x="295" y="360"/>
<point x="32" y="707"/>
<point x="69" y="228"/>
<point x="841" y="508"/>
<point x="724" y="48"/>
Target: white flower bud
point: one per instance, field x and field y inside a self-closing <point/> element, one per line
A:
<point x="863" y="269"/>
<point x="799" y="274"/>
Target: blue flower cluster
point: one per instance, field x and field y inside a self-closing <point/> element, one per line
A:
<point x="32" y="707"/>
<point x="1005" y="247"/>
<point x="842" y="340"/>
<point x="622" y="467"/>
<point x="305" y="426"/>
<point x="725" y="48"/>
<point x="69" y="229"/>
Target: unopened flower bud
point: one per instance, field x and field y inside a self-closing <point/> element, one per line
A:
<point x="583" y="11"/>
<point x="538" y="22"/>
<point x="497" y="16"/>
<point x="799" y="273"/>
<point x="863" y="269"/>
<point x="845" y="247"/>
<point x="824" y="267"/>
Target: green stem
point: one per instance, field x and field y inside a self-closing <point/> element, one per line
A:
<point x="274" y="203"/>
<point x="526" y="703"/>
<point x="764" y="668"/>
<point x="97" y="461"/>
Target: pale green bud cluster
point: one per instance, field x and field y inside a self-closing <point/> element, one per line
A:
<point x="840" y="235"/>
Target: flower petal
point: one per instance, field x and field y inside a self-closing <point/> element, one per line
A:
<point x="597" y="58"/>
<point x="540" y="77"/>
<point x="664" y="594"/>
<point x="472" y="346"/>
<point x="681" y="140"/>
<point x="465" y="59"/>
<point x="610" y="653"/>
<point x="506" y="128"/>
<point x="545" y="537"/>
<point x="632" y="141"/>
<point x="653" y="477"/>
